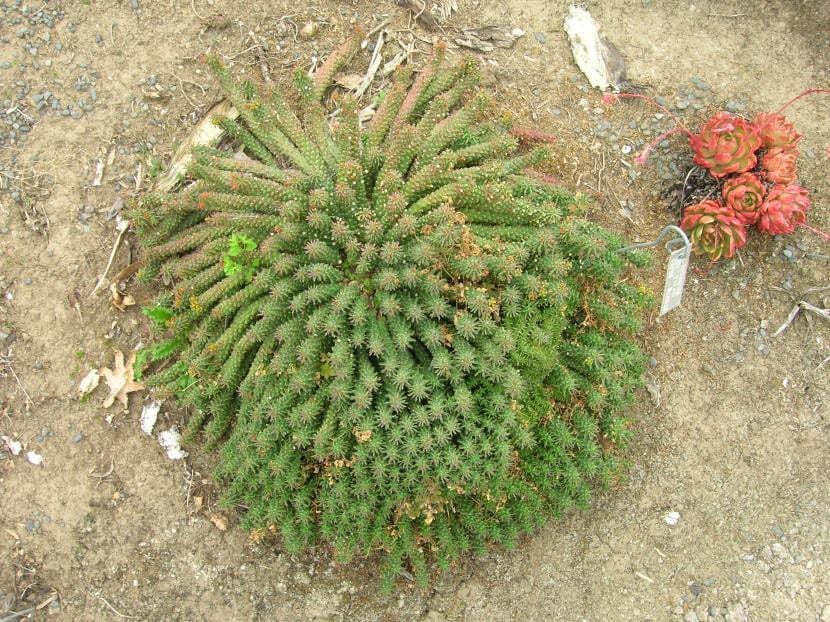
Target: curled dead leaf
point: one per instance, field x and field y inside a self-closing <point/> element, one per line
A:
<point x="89" y="383"/>
<point x="120" y="380"/>
<point x="349" y="81"/>
<point x="119" y="299"/>
<point x="220" y="521"/>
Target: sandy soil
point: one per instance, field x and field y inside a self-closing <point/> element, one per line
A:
<point x="732" y="434"/>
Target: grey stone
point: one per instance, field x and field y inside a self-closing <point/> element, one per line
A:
<point x="695" y="588"/>
<point x="540" y="37"/>
<point x="733" y="106"/>
<point x="699" y="83"/>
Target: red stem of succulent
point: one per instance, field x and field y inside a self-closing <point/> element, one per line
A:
<point x="797" y="97"/>
<point x="643" y="155"/>
<point x="641" y="158"/>
<point x="609" y="98"/>
<point x="818" y="232"/>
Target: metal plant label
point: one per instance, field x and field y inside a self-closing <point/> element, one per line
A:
<point x="675" y="279"/>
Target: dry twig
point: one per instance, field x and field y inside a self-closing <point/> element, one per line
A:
<point x="5" y="362"/>
<point x="122" y="232"/>
<point x="111" y="608"/>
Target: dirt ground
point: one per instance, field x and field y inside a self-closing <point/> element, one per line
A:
<point x="732" y="433"/>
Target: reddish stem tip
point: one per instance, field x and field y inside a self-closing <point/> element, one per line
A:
<point x="799" y="96"/>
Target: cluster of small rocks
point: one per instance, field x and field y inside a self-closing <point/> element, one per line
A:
<point x="788" y="569"/>
<point x="631" y="136"/>
<point x="32" y="29"/>
<point x="31" y="92"/>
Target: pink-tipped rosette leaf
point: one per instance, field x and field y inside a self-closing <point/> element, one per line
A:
<point x="726" y="144"/>
<point x="783" y="209"/>
<point x="744" y="193"/>
<point x="713" y="229"/>
<point x="775" y="131"/>
<point x="778" y="165"/>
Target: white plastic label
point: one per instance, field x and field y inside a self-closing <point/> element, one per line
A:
<point x="675" y="280"/>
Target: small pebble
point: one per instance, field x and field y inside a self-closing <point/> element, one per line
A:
<point x="733" y="106"/>
<point x="700" y="83"/>
<point x="77" y="437"/>
<point x="695" y="588"/>
<point x="134" y="4"/>
<point x="540" y="37"/>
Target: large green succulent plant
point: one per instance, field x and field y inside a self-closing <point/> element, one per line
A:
<point x="403" y="339"/>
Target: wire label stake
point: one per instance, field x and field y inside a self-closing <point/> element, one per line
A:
<point x="680" y="251"/>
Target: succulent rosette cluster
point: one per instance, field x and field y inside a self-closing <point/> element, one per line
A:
<point x="756" y="163"/>
<point x="783" y="210"/>
<point x="713" y="229"/>
<point x="726" y="144"/>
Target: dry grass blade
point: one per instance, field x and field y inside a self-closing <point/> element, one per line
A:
<point x="799" y="306"/>
<point x="17" y="615"/>
<point x="374" y="65"/>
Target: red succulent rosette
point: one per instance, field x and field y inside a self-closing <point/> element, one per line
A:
<point x="713" y="229"/>
<point x="783" y="209"/>
<point x="775" y="131"/>
<point x="726" y="144"/>
<point x="744" y="194"/>
<point x="778" y="165"/>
